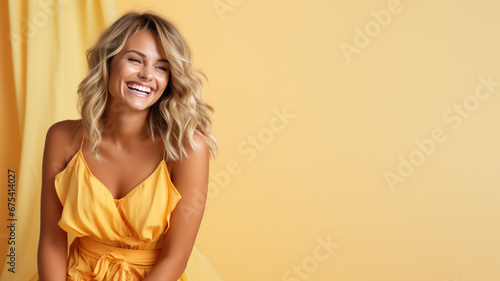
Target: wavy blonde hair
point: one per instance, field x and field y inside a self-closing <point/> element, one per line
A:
<point x="177" y="115"/>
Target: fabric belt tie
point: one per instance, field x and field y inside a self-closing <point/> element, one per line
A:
<point x="108" y="256"/>
<point x="103" y="263"/>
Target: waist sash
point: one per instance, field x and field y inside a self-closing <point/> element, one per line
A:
<point x="126" y="259"/>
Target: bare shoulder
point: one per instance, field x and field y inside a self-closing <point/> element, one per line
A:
<point x="63" y="140"/>
<point x="201" y="151"/>
<point x="190" y="175"/>
<point x="65" y="132"/>
<point x="200" y="142"/>
<point x="195" y="156"/>
<point x="66" y="126"/>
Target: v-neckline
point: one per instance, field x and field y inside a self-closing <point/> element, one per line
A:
<point x="132" y="190"/>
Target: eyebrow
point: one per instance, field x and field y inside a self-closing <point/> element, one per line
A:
<point x="143" y="55"/>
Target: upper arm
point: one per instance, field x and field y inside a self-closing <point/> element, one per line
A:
<point x="190" y="177"/>
<point x="58" y="143"/>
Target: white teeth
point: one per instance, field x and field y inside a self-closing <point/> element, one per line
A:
<point x="140" y="88"/>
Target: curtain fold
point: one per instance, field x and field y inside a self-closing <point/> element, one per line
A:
<point x="48" y="41"/>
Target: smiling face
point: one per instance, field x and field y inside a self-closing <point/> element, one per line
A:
<point x="139" y="72"/>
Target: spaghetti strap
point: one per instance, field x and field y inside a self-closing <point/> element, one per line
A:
<point x="81" y="145"/>
<point x="164" y="151"/>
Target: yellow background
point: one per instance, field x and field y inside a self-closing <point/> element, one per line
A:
<point x="321" y="174"/>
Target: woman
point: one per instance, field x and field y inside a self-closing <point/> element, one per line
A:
<point x="130" y="178"/>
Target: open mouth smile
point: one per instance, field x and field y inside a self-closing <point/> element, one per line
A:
<point x="138" y="90"/>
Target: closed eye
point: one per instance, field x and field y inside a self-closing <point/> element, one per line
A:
<point x="134" y="60"/>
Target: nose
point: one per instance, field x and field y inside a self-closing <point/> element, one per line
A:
<point x="146" y="73"/>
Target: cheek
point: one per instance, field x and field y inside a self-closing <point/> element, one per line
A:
<point x="114" y="82"/>
<point x="118" y="73"/>
<point x="163" y="80"/>
<point x="120" y="70"/>
<point x="124" y="71"/>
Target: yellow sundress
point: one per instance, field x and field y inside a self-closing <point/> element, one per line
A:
<point x="119" y="239"/>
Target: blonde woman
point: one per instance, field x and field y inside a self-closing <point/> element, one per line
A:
<point x="129" y="180"/>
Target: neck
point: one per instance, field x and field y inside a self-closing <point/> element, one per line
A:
<point x="122" y="127"/>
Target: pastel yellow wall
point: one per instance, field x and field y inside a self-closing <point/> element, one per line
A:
<point x="363" y="91"/>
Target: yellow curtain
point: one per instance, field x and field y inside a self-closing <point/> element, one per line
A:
<point x="48" y="40"/>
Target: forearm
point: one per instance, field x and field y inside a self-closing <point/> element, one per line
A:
<point x="52" y="261"/>
<point x="166" y="270"/>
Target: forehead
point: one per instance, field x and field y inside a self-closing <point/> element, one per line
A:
<point x="146" y="42"/>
